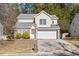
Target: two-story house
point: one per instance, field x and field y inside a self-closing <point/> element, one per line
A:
<point x="39" y="26"/>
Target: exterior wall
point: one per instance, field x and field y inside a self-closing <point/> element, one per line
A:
<point x="25" y="20"/>
<point x="55" y="22"/>
<point x="21" y="30"/>
<point x="3" y="37"/>
<point x="43" y="16"/>
<point x="74" y="26"/>
<point x="1" y="30"/>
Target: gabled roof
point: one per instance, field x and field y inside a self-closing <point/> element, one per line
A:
<point x="76" y="18"/>
<point x="23" y="25"/>
<point x="31" y="16"/>
<point x="51" y="16"/>
<point x="77" y="15"/>
<point x="54" y="16"/>
<point x="25" y="16"/>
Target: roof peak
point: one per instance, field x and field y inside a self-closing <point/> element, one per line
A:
<point x="35" y="15"/>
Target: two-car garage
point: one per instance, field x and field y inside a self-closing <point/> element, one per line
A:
<point x="47" y="34"/>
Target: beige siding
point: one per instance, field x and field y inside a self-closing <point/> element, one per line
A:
<point x="25" y="20"/>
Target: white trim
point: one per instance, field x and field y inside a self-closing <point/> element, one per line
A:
<point x="31" y="20"/>
<point x="47" y="35"/>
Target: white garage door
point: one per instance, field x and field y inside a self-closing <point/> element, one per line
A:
<point x="46" y="35"/>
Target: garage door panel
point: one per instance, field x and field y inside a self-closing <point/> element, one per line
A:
<point x="46" y="34"/>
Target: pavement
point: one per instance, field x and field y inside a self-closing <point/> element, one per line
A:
<point x="57" y="47"/>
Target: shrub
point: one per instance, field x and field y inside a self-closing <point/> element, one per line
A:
<point x="10" y="37"/>
<point x="18" y="35"/>
<point x="25" y="35"/>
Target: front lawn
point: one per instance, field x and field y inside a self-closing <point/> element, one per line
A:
<point x="74" y="41"/>
<point x="18" y="46"/>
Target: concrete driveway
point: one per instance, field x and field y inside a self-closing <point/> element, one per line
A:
<point x="57" y="47"/>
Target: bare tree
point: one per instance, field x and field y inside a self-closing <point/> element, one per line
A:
<point x="8" y="13"/>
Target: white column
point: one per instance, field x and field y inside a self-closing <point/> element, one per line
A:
<point x="36" y="34"/>
<point x="30" y="34"/>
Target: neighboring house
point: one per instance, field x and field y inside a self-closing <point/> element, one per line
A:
<point x="1" y="32"/>
<point x="39" y="26"/>
<point x="1" y="29"/>
<point x="74" y="27"/>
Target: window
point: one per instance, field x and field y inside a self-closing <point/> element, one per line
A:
<point x="33" y="31"/>
<point x="52" y="22"/>
<point x="42" y="21"/>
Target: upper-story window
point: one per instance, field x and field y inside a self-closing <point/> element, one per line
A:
<point x="42" y="21"/>
<point x="52" y="22"/>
